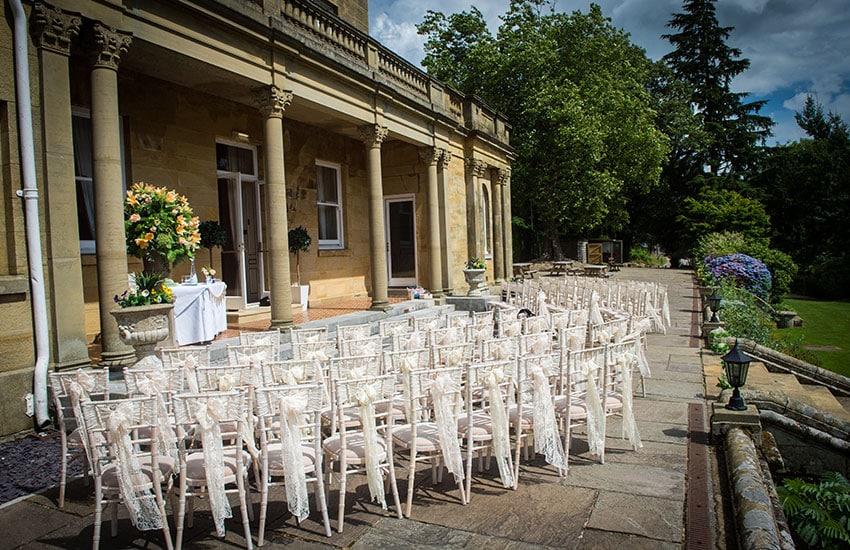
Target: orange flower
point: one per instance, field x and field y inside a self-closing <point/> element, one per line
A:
<point x="141" y="243"/>
<point x="135" y="217"/>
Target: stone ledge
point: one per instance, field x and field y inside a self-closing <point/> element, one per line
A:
<point x="13" y="284"/>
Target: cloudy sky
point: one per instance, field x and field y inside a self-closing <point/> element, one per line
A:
<point x="795" y="47"/>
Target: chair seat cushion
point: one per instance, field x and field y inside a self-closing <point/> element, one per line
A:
<point x="355" y="447"/>
<point x="427" y="437"/>
<point x="166" y="468"/>
<point x="482" y="426"/>
<point x="308" y="455"/>
<point x="195" y="467"/>
<point x="527" y="417"/>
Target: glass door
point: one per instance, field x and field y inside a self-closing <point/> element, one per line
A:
<point x="242" y="265"/>
<point x="400" y="220"/>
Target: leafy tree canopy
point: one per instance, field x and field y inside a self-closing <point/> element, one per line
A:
<point x="577" y="94"/>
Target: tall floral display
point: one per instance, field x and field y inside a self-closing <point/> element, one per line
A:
<point x="160" y="227"/>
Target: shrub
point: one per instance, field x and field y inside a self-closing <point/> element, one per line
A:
<point x="819" y="513"/>
<point x="742" y="316"/>
<point x="827" y="279"/>
<point x="739" y="269"/>
<point x="639" y="255"/>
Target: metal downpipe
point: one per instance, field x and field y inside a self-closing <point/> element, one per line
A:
<point x="33" y="229"/>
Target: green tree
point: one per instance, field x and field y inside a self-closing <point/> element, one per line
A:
<point x="703" y="58"/>
<point x="717" y="210"/>
<point x="809" y="201"/>
<point x="575" y="91"/>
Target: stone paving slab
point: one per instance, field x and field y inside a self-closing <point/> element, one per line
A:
<point x="655" y="518"/>
<point x="593" y="539"/>
<point x="626" y="479"/>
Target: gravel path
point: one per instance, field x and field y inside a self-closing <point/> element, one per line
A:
<point x="29" y="465"/>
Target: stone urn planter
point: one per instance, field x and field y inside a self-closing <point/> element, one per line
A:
<point x="143" y="327"/>
<point x="475" y="280"/>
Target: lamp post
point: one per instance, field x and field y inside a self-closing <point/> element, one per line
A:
<point x="714" y="305"/>
<point x="736" y="363"/>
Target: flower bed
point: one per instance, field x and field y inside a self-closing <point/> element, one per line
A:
<point x="740" y="270"/>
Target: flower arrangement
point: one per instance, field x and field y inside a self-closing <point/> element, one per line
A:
<point x="740" y="270"/>
<point x="208" y="272"/>
<point x="475" y="263"/>
<point x="159" y="222"/>
<point x="149" y="289"/>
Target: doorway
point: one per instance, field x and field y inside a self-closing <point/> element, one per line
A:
<point x="400" y="221"/>
<point x="242" y="261"/>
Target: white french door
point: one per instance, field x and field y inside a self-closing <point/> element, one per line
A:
<point x="242" y="260"/>
<point x="400" y="223"/>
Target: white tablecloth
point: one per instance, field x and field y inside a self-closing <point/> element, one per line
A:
<point x="200" y="312"/>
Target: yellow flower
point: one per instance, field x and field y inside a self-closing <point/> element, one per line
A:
<point x="171" y="196"/>
<point x="141" y="243"/>
<point x="148" y="236"/>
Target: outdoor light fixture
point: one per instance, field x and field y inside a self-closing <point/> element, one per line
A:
<point x="736" y="363"/>
<point x="241" y="136"/>
<point x="714" y="305"/>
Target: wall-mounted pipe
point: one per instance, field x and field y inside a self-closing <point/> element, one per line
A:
<point x="33" y="228"/>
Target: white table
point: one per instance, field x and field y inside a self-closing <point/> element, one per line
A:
<point x="200" y="312"/>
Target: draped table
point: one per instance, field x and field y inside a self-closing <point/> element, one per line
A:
<point x="200" y="312"/>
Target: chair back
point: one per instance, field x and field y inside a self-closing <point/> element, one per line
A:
<point x="305" y="335"/>
<point x="409" y="340"/>
<point x="252" y="354"/>
<point x="393" y="327"/>
<point x="291" y="372"/>
<point x="453" y="355"/>
<point x="353" y="332"/>
<point x="371" y="345"/>
<point x="498" y="349"/>
<point x="261" y="338"/>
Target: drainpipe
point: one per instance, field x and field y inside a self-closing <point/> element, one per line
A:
<point x="30" y="195"/>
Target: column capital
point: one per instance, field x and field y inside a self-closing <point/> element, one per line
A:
<point x="503" y="176"/>
<point x="272" y="101"/>
<point x="476" y="166"/>
<point x="53" y="29"/>
<point x="373" y="135"/>
<point x="430" y="155"/>
<point x="108" y="46"/>
<point x="445" y="158"/>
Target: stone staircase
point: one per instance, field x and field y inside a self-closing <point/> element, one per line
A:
<point x="759" y="378"/>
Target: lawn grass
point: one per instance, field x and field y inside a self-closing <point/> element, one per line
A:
<point x="824" y="324"/>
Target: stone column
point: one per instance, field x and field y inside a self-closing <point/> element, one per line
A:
<point x="504" y="178"/>
<point x="52" y="32"/>
<point x="445" y="220"/>
<point x="498" y="230"/>
<point x="474" y="172"/>
<point x="431" y="156"/>
<point x="108" y="45"/>
<point x="272" y="102"/>
<point x="373" y="135"/>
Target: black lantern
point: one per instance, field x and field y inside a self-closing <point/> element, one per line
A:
<point x="714" y="305"/>
<point x="736" y="363"/>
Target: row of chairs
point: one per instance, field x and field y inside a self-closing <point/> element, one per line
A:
<point x="522" y="387"/>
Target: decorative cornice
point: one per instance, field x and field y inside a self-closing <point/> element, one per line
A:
<point x="476" y="166"/>
<point x="109" y="45"/>
<point x="373" y="134"/>
<point x="272" y="101"/>
<point x="53" y="29"/>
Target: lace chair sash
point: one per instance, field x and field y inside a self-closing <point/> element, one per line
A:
<point x="156" y="384"/>
<point x="442" y="390"/>
<point x="133" y="484"/>
<point x="499" y="418"/>
<point x="208" y="414"/>
<point x="630" y="429"/>
<point x="365" y="395"/>
<point x="547" y="440"/>
<point x="80" y="389"/>
<point x="292" y="409"/>
<point x="595" y="413"/>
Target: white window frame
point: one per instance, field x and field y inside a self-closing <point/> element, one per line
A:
<point x="339" y="243"/>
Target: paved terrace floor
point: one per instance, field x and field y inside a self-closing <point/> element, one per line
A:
<point x="637" y="499"/>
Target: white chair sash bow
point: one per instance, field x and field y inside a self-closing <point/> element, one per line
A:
<point x="442" y="388"/>
<point x="208" y="414"/>
<point x="80" y="388"/>
<point x="547" y="440"/>
<point x="504" y="349"/>
<point x="630" y="429"/>
<point x="365" y="395"/>
<point x="154" y="384"/>
<point x="132" y="482"/>
<point x="595" y="413"/>
<point x="291" y="417"/>
<point x="499" y="418"/>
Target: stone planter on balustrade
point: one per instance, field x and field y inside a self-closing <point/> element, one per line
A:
<point x="143" y="327"/>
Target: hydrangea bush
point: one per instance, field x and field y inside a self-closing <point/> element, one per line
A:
<point x="740" y="270"/>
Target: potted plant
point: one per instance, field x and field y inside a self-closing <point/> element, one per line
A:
<point x="143" y="316"/>
<point x="299" y="241"/>
<point x="212" y="235"/>
<point x="474" y="272"/>
<point x="160" y="227"/>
